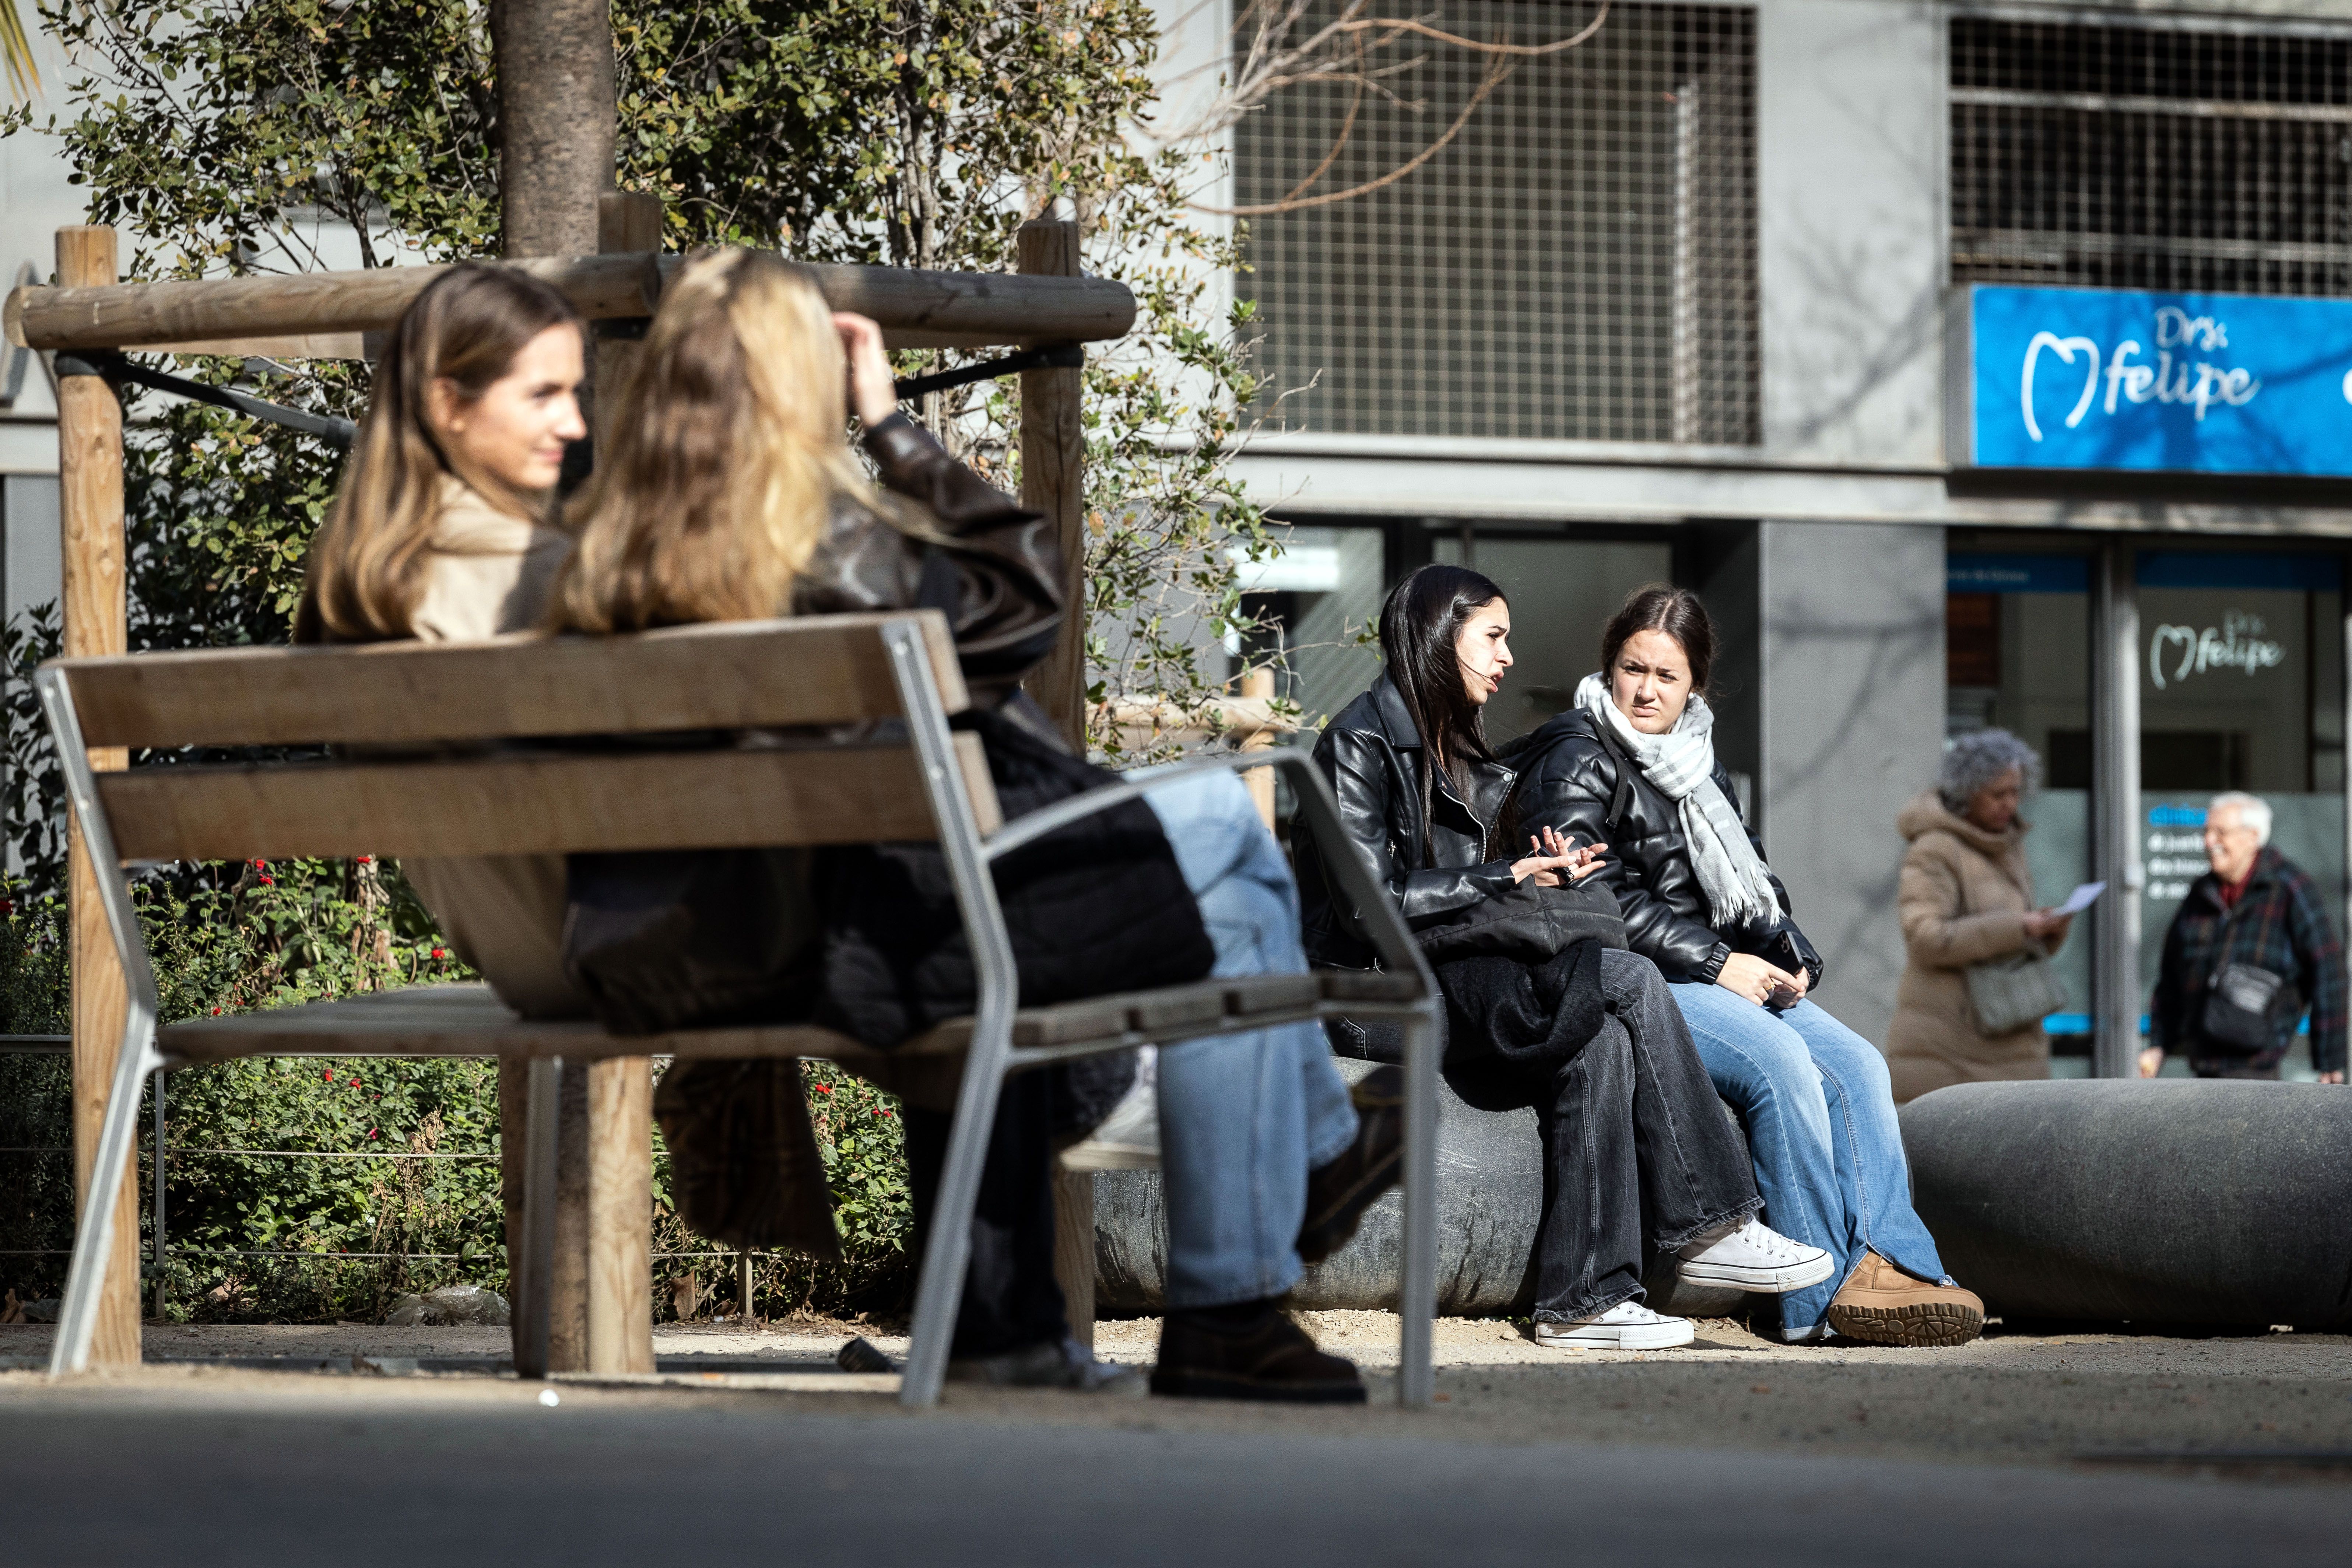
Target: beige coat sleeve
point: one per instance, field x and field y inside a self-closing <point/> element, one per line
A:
<point x="1938" y="935"/>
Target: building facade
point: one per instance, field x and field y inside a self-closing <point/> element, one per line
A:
<point x="1978" y="364"/>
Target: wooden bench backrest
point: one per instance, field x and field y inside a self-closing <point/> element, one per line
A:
<point x="526" y="798"/>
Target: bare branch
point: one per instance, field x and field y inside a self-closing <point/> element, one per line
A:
<point x="1495" y="75"/>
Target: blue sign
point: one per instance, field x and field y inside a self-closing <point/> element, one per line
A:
<point x="1969" y="572"/>
<point x="2096" y="378"/>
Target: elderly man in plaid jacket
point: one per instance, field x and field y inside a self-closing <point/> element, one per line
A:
<point x="2254" y="907"/>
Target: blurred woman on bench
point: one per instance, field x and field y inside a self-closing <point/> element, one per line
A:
<point x="1639" y="1154"/>
<point x="1633" y="762"/>
<point x="729" y="493"/>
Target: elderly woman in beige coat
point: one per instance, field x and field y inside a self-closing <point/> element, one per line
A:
<point x="1965" y="897"/>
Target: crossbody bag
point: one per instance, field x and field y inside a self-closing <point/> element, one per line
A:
<point x="2008" y="993"/>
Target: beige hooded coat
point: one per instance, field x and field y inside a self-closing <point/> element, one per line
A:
<point x="1964" y="897"/>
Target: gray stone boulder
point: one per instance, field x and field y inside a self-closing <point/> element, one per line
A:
<point x="2168" y="1201"/>
<point x="450" y="1305"/>
<point x="1489" y="1199"/>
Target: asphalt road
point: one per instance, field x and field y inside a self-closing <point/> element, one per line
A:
<point x="269" y="1469"/>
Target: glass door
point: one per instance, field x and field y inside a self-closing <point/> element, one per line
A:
<point x="2241" y="688"/>
<point x="2017" y="630"/>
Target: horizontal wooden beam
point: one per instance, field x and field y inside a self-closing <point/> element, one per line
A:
<point x="915" y="309"/>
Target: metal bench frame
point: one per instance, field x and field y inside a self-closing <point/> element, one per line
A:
<point x="990" y="1042"/>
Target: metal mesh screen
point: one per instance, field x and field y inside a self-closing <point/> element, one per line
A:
<point x="2146" y="157"/>
<point x="1580" y="261"/>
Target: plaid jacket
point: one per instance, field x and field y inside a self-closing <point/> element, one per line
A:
<point x="2281" y="925"/>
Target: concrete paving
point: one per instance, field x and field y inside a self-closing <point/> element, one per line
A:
<point x="2071" y="1449"/>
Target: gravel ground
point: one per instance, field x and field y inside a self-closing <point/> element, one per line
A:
<point x="2276" y="1407"/>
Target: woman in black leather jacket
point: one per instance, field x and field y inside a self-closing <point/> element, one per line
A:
<point x="1632" y="1130"/>
<point x="1635" y="761"/>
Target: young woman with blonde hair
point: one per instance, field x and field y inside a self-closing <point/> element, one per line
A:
<point x="727" y="492"/>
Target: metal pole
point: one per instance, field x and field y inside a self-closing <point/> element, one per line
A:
<point x="2115" y="815"/>
<point x="158" y="1081"/>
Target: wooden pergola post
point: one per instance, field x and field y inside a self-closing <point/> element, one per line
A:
<point x="1053" y="480"/>
<point x="621" y="1089"/>
<point x="89" y="493"/>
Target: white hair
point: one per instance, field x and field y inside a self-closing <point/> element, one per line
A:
<point x="2253" y="811"/>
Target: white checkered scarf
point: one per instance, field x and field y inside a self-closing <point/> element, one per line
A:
<point x="1681" y="764"/>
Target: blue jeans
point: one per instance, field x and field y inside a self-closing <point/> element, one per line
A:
<point x="1242" y="1118"/>
<point x="1821" y="1125"/>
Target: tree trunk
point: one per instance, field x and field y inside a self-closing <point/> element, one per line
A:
<point x="557" y="113"/>
<point x="557" y="119"/>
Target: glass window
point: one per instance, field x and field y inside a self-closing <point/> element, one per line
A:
<point x="2018" y="656"/>
<point x="2241" y="688"/>
<point x="1321" y="601"/>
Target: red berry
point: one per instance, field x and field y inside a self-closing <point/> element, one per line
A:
<point x="371" y="1132"/>
<point x="270" y="882"/>
<point x="439" y="954"/>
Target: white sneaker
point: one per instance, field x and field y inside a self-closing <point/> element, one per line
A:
<point x="1627" y="1326"/>
<point x="1129" y="1138"/>
<point x="1753" y="1256"/>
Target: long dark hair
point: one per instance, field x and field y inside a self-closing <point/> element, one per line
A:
<point x="1419" y="626"/>
<point x="1679" y="614"/>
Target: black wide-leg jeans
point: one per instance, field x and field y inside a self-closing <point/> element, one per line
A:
<point x="1637" y="1149"/>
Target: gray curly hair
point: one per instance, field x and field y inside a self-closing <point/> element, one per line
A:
<point x="1976" y="759"/>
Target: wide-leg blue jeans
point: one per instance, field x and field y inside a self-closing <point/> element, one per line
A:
<point x="1242" y="1118"/>
<point x="1821" y="1125"/>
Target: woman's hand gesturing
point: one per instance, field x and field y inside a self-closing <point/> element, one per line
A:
<point x="1553" y="863"/>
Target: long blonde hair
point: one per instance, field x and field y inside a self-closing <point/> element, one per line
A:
<point x="365" y="574"/>
<point x="723" y="460"/>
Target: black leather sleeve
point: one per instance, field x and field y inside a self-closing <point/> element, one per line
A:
<point x="1570" y="789"/>
<point x="995" y="560"/>
<point x="1357" y="766"/>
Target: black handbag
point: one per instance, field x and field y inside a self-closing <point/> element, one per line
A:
<point x="1531" y="924"/>
<point x="2241" y="1007"/>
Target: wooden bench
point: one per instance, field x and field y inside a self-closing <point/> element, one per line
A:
<point x="484" y="772"/>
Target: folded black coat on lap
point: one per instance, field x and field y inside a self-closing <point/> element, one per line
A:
<point x="1511" y="1026"/>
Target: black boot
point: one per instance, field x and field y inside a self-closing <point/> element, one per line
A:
<point x="1338" y="1193"/>
<point x="1249" y="1351"/>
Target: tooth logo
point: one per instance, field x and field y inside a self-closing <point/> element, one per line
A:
<point x="2065" y="349"/>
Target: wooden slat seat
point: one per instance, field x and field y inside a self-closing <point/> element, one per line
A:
<point x="468" y="1020"/>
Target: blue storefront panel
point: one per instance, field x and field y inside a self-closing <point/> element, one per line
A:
<point x="2121" y="379"/>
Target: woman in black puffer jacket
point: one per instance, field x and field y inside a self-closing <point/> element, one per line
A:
<point x="1634" y="1137"/>
<point x="1633" y="763"/>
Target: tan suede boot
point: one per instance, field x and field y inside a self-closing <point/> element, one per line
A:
<point x="1881" y="1305"/>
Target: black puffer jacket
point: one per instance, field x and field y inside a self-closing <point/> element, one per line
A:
<point x="1373" y="757"/>
<point x="1571" y="780"/>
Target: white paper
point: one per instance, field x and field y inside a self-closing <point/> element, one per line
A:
<point x="2081" y="899"/>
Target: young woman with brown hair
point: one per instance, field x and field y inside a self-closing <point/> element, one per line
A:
<point x="1638" y="1157"/>
<point x="444" y="529"/>
<point x="1633" y="762"/>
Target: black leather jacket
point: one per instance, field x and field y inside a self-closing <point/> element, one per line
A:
<point x="995" y="565"/>
<point x="1569" y="781"/>
<point x="1373" y="757"/>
